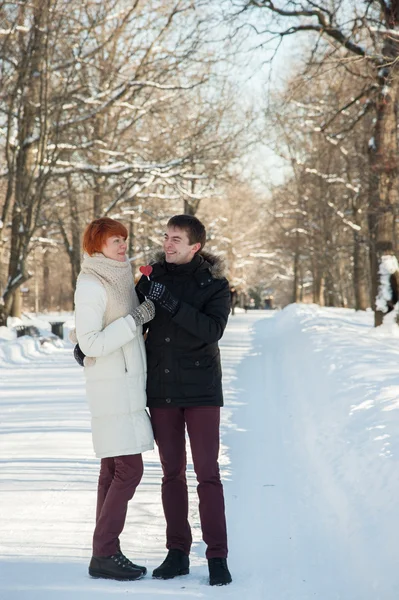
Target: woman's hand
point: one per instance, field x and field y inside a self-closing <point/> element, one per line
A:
<point x="143" y="313"/>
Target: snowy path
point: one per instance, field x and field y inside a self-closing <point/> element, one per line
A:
<point x="311" y="513"/>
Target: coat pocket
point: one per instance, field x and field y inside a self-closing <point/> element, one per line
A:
<point x="198" y="371"/>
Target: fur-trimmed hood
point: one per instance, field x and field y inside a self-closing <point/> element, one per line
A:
<point x="216" y="264"/>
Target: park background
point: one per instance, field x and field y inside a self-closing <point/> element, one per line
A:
<point x="275" y="123"/>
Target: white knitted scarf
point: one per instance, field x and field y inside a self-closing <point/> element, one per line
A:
<point x="117" y="279"/>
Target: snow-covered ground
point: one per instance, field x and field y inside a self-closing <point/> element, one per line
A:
<point x="309" y="460"/>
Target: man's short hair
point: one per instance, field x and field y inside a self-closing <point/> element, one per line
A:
<point x="195" y="230"/>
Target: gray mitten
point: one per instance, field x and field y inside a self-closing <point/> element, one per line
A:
<point x="144" y="313"/>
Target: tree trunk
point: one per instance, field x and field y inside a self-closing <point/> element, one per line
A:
<point x="131" y="243"/>
<point x="318" y="288"/>
<point x="301" y="282"/>
<point x="341" y="284"/>
<point x="98" y="190"/>
<point x="360" y="269"/>
<point x="75" y="257"/>
<point x="46" y="279"/>
<point x="189" y="208"/>
<point x="317" y="275"/>
<point x="2" y="282"/>
<point x="3" y="316"/>
<point x="295" y="289"/>
<point x="16" y="307"/>
<point x="4" y="216"/>
<point x="97" y="198"/>
<point x="384" y="173"/>
<point x="72" y="240"/>
<point x="329" y="290"/>
<point x="29" y="180"/>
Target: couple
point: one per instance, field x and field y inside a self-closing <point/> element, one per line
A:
<point x="185" y="303"/>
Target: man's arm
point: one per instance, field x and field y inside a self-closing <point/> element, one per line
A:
<point x="209" y="323"/>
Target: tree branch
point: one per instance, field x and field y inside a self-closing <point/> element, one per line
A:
<point x="323" y="27"/>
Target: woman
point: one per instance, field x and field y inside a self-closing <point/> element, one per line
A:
<point x="109" y="328"/>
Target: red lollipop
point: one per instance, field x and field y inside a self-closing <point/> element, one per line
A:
<point x="147" y="270"/>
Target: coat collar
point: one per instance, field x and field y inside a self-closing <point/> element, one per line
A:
<point x="203" y="263"/>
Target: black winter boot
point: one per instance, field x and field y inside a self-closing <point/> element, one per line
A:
<point x="143" y="569"/>
<point x="176" y="563"/>
<point x="116" y="567"/>
<point x="219" y="573"/>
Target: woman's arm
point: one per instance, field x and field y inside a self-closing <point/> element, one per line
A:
<point x="90" y="305"/>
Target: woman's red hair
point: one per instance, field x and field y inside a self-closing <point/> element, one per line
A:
<point x="98" y="231"/>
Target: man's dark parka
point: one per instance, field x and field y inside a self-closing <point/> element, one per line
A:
<point x="183" y="359"/>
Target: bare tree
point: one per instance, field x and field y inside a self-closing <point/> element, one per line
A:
<point x="365" y="32"/>
<point x="93" y="97"/>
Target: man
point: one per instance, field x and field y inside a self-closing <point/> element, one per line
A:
<point x="184" y="389"/>
<point x="233" y="299"/>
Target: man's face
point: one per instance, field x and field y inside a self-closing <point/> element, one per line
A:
<point x="178" y="250"/>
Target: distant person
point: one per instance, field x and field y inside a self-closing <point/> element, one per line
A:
<point x="233" y="299"/>
<point x="391" y="303"/>
<point x="109" y="323"/>
<point x="246" y="303"/>
<point x="268" y="303"/>
<point x="184" y="389"/>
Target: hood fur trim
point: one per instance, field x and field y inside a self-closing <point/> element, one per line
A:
<point x="216" y="262"/>
<point x="217" y="266"/>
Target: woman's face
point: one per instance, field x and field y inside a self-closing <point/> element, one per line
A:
<point x="115" y="247"/>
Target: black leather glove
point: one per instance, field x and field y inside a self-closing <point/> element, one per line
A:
<point x="159" y="294"/>
<point x="78" y="355"/>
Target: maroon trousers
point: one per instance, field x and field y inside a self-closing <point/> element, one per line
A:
<point x="118" y="480"/>
<point x="203" y="430"/>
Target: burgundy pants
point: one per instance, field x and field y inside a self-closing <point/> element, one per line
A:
<point x="203" y="430"/>
<point x="118" y="480"/>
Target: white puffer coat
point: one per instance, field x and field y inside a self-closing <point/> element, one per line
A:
<point x="116" y="383"/>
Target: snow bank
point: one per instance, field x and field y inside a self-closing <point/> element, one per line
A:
<point x="337" y="377"/>
<point x="27" y="319"/>
<point x="309" y="457"/>
<point x="26" y="349"/>
<point x="7" y="334"/>
<point x="388" y="266"/>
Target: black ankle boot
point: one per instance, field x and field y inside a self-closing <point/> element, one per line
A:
<point x="116" y="567"/>
<point x="142" y="569"/>
<point x="219" y="573"/>
<point x="176" y="563"/>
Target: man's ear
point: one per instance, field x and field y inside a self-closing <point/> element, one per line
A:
<point x="197" y="247"/>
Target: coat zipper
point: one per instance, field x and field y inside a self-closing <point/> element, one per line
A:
<point x="124" y="359"/>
